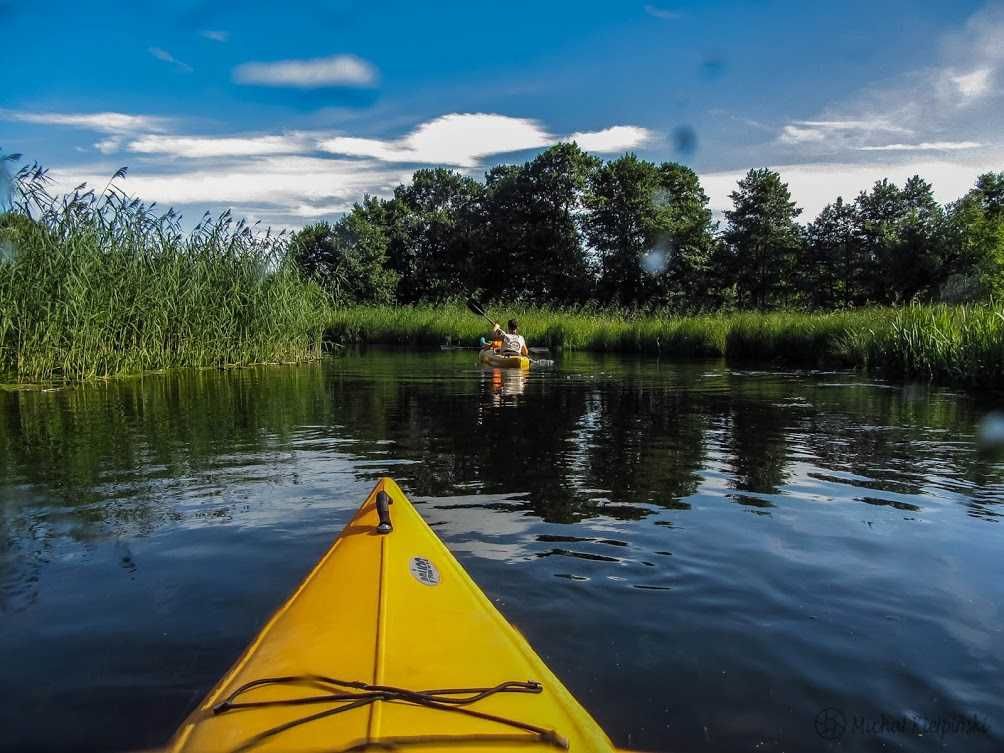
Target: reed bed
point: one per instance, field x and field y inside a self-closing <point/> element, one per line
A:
<point x="100" y="285"/>
<point x="961" y="345"/>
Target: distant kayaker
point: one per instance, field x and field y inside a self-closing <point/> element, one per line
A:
<point x="512" y="341"/>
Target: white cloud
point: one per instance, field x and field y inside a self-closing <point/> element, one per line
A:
<point x="215" y="36"/>
<point x="270" y="186"/>
<point x="309" y="211"/>
<point x="663" y="13"/>
<point x="974" y="84"/>
<point x="951" y="104"/>
<point x="167" y="57"/>
<point x="464" y="139"/>
<point x="277" y="176"/>
<point x="110" y="145"/>
<point x="793" y="134"/>
<point x="814" y="185"/>
<point x="460" y="139"/>
<point x="336" y="70"/>
<point x="613" y="139"/>
<point x="821" y="131"/>
<point x="924" y="146"/>
<point x="105" y="122"/>
<point x="200" y="147"/>
<point x="456" y="139"/>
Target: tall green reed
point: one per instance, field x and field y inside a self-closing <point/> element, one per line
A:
<point x="99" y="284"/>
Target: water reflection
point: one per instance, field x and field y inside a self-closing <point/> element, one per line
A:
<point x="502" y="387"/>
<point x="784" y="528"/>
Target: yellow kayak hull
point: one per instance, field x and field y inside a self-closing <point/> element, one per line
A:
<point x="489" y="357"/>
<point x="394" y="610"/>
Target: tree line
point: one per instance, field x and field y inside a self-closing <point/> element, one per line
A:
<point x="567" y="228"/>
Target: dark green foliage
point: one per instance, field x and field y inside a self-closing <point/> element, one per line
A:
<point x="834" y="267"/>
<point x="900" y="231"/>
<point x="763" y="240"/>
<point x="430" y="224"/>
<point x="623" y="224"/>
<point x="348" y="259"/>
<point x="990" y="191"/>
<point x="898" y="245"/>
<point x="973" y="250"/>
<point x="651" y="228"/>
<point x="688" y="241"/>
<point x="530" y="240"/>
<point x="567" y="229"/>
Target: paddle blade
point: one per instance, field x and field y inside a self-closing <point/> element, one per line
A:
<point x="543" y="363"/>
<point x="475" y="307"/>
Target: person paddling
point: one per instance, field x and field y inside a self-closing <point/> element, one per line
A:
<point x="513" y="343"/>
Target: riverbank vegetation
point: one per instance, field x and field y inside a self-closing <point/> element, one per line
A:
<point x="616" y="256"/>
<point x="94" y="285"/>
<point x="951" y="344"/>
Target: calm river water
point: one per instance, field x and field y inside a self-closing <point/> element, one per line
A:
<point x="712" y="559"/>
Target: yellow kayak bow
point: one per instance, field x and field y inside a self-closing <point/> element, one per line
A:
<point x="389" y="644"/>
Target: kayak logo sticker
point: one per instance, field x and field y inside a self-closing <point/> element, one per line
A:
<point x="424" y="571"/>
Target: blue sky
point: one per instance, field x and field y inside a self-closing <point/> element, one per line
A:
<point x="290" y="112"/>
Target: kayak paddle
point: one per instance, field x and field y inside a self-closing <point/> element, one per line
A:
<point x="478" y="310"/>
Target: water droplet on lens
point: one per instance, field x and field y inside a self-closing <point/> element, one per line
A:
<point x="990" y="431"/>
<point x="713" y="67"/>
<point x="654" y="261"/>
<point x="684" y="140"/>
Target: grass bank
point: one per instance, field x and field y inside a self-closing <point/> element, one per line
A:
<point x="100" y="286"/>
<point x="962" y="345"/>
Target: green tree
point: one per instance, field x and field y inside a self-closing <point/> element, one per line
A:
<point x="530" y="243"/>
<point x="651" y="229"/>
<point x="879" y="212"/>
<point x="431" y="225"/>
<point x="833" y="265"/>
<point x="990" y="192"/>
<point x="622" y="224"/>
<point x="915" y="268"/>
<point x="900" y="230"/>
<point x="973" y="258"/>
<point x="348" y="258"/>
<point x="763" y="239"/>
<point x="688" y="241"/>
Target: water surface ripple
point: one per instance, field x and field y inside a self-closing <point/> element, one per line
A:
<point x="711" y="558"/>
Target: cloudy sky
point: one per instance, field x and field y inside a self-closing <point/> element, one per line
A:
<point x="290" y="112"/>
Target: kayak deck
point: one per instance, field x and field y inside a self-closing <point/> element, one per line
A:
<point x="355" y="656"/>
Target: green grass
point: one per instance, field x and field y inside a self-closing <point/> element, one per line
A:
<point x="961" y="345"/>
<point x="101" y="286"/>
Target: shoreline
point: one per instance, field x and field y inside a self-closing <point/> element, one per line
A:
<point x="957" y="346"/>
